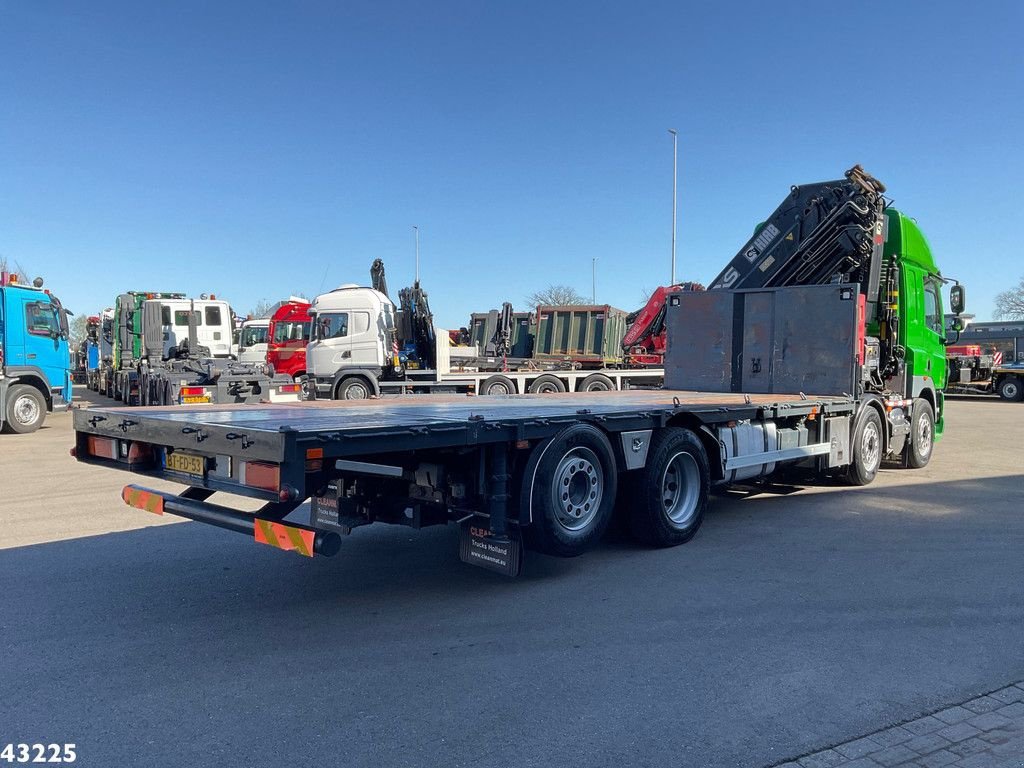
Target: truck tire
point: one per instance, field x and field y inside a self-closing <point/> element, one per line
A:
<point x="26" y="409"/>
<point x="669" y="496"/>
<point x="353" y="388"/>
<point x="918" y="451"/>
<point x="546" y="384"/>
<point x="866" y="449"/>
<point x="305" y="386"/>
<point x="497" y="385"/>
<point x="1011" y="388"/>
<point x="570" y="484"/>
<point x="596" y="382"/>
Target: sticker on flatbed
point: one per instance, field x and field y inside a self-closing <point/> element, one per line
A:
<point x="478" y="546"/>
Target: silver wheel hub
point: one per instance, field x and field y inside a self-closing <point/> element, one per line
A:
<point x="577" y="489"/>
<point x="680" y="489"/>
<point x="26" y="409"/>
<point x="924" y="436"/>
<point x="871" y="447"/>
<point x="357" y="391"/>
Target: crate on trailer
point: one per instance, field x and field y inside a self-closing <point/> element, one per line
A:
<point x="589" y="334"/>
<point x="483" y="325"/>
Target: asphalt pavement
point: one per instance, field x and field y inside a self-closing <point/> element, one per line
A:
<point x="790" y="624"/>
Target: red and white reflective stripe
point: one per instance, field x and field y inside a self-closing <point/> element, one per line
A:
<point x="997" y="358"/>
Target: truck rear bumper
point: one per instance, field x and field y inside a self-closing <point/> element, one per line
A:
<point x="192" y="505"/>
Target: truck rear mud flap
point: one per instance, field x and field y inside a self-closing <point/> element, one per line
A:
<point x="265" y="526"/>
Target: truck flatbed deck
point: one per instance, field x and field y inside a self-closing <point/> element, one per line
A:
<point x="347" y="426"/>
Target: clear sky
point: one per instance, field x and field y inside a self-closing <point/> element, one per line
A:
<point x="254" y="149"/>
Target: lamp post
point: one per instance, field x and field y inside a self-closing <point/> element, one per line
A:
<point x="417" y="229"/>
<point x="675" y="159"/>
<point x="593" y="280"/>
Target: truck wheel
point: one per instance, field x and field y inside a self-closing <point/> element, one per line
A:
<point x="596" y="382"/>
<point x="1010" y="389"/>
<point x="669" y="496"/>
<point x="498" y="385"/>
<point x="866" y="449"/>
<point x="546" y="384"/>
<point x="26" y="409"/>
<point x="922" y="435"/>
<point x="353" y="388"/>
<point x="570" y="483"/>
<point x="305" y="386"/>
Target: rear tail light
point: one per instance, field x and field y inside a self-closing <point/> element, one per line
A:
<point x="289" y="388"/>
<point x="102" y="447"/>
<point x="192" y="392"/>
<point x="260" y="474"/>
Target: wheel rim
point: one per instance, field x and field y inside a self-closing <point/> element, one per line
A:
<point x="26" y="410"/>
<point x="498" y="388"/>
<point x="577" y="489"/>
<point x="597" y="386"/>
<point x="680" y="489"/>
<point x="1010" y="390"/>
<point x="357" y="391"/>
<point x="924" y="435"/>
<point x="546" y="388"/>
<point x="871" y="446"/>
<point x="303" y="382"/>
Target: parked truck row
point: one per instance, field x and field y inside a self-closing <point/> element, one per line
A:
<point x="819" y="351"/>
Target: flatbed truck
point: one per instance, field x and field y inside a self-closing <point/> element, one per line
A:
<point x="829" y="376"/>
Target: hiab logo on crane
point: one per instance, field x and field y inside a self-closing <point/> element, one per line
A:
<point x="761" y="242"/>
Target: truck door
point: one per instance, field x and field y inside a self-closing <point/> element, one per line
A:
<point x="365" y="340"/>
<point x="45" y="340"/>
<point x="334" y="351"/>
<point x="924" y="334"/>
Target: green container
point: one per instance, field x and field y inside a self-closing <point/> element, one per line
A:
<point x="588" y="335"/>
<point x="482" y="326"/>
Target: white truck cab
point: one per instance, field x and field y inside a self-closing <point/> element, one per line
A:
<point x="352" y="329"/>
<point x="214" y="324"/>
<point x="252" y="342"/>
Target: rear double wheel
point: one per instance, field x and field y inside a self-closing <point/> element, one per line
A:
<point x="1011" y="388"/>
<point x="569" y="484"/>
<point x="666" y="500"/>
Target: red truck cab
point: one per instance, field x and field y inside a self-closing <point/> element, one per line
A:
<point x="287" y="338"/>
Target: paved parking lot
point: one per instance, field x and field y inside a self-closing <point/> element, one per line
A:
<point x="790" y="625"/>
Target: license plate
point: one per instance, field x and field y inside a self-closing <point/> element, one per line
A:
<point x="196" y="399"/>
<point x="188" y="463"/>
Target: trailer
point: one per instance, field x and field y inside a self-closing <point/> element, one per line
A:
<point x="825" y="379"/>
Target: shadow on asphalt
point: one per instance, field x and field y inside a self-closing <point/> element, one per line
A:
<point x="208" y="561"/>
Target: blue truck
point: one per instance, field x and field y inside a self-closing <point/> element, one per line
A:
<point x="35" y="364"/>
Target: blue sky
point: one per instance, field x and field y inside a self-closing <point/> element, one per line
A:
<point x="255" y="149"/>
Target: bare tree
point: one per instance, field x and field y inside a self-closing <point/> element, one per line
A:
<point x="1010" y="304"/>
<point x="263" y="308"/>
<point x="557" y="296"/>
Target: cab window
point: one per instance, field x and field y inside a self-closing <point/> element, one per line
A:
<point x="213" y="315"/>
<point x="40" y="320"/>
<point x="932" y="311"/>
<point x="332" y="325"/>
<point x="165" y="315"/>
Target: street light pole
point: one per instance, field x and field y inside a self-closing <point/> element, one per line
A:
<point x="417" y="254"/>
<point x="675" y="165"/>
<point x="593" y="280"/>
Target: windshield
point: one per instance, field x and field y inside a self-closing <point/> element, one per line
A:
<point x="291" y="332"/>
<point x="253" y="334"/>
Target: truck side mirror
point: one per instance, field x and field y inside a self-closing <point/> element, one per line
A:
<point x="957" y="299"/>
